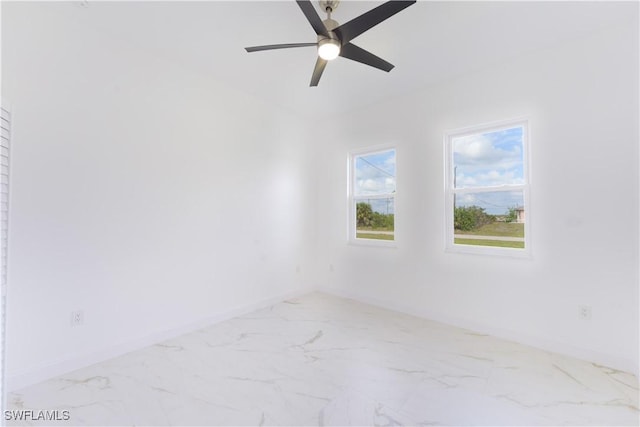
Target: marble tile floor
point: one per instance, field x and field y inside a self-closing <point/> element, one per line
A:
<point x="324" y="360"/>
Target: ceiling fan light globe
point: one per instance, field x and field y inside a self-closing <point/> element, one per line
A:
<point x="329" y="49"/>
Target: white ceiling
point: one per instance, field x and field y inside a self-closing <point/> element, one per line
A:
<point x="428" y="42"/>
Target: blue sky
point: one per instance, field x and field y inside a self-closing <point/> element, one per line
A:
<point x="375" y="173"/>
<point x="491" y="159"/>
<point x="493" y="202"/>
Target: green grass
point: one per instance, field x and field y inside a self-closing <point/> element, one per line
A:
<point x="375" y="236"/>
<point x="504" y="229"/>
<point x="498" y="243"/>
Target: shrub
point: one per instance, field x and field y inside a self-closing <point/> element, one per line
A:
<point x="467" y="218"/>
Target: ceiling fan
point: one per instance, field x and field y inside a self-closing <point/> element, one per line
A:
<point x="335" y="40"/>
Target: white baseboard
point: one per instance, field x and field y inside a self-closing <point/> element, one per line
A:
<point x="603" y="359"/>
<point x="18" y="380"/>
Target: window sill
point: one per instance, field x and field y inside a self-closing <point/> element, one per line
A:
<point x="489" y="251"/>
<point x="373" y="243"/>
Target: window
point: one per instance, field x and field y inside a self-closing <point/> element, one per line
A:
<point x="487" y="189"/>
<point x="373" y="196"/>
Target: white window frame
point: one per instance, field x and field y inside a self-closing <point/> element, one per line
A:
<point x="4" y="237"/>
<point x="352" y="239"/>
<point x="450" y="191"/>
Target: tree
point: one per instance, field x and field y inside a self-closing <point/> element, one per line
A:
<point x="467" y="218"/>
<point x="512" y="216"/>
<point x="364" y="214"/>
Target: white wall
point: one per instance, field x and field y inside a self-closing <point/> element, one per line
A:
<point x="582" y="101"/>
<point x="145" y="194"/>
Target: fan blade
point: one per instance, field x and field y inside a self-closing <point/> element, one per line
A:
<point x="278" y="46"/>
<point x="313" y="18"/>
<point x="355" y="53"/>
<point x="317" y="71"/>
<point x="355" y="27"/>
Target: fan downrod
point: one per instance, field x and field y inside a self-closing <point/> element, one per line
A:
<point x="329" y="6"/>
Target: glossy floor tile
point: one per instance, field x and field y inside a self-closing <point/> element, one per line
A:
<point x="323" y="360"/>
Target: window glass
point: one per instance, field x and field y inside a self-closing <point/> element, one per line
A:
<point x="373" y="195"/>
<point x="487" y="188"/>
<point x="489" y="159"/>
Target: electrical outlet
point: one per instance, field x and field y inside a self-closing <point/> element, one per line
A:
<point x="584" y="312"/>
<point x="77" y="318"/>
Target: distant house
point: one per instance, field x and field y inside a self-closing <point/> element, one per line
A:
<point x="519" y="214"/>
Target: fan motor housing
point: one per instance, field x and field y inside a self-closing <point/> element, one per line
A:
<point x="330" y="24"/>
<point x="329" y="6"/>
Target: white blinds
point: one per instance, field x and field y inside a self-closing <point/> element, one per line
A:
<point x="5" y="136"/>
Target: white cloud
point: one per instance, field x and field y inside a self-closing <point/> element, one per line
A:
<point x="480" y="150"/>
<point x="489" y="178"/>
<point x="375" y="174"/>
<point x="376" y="185"/>
<point x="467" y="199"/>
<point x="491" y="159"/>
